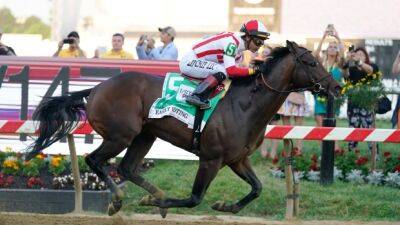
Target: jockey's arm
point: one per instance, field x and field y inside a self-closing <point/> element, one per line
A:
<point x="232" y="70"/>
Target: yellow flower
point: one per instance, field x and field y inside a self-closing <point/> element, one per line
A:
<point x="55" y="161"/>
<point x="368" y="82"/>
<point x="8" y="149"/>
<point x="10" y="163"/>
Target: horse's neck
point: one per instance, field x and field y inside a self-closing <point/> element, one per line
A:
<point x="264" y="103"/>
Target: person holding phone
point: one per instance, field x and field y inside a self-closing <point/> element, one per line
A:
<point x="73" y="51"/>
<point x="332" y="60"/>
<point x="145" y="48"/>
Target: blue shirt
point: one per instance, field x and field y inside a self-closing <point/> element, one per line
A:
<point x="169" y="52"/>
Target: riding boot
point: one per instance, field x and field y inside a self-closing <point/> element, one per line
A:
<point x="200" y="96"/>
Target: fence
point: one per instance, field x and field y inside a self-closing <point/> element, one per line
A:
<point x="274" y="132"/>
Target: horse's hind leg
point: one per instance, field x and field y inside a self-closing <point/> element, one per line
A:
<point x="243" y="170"/>
<point x="95" y="160"/>
<point x="129" y="165"/>
<point x="205" y="174"/>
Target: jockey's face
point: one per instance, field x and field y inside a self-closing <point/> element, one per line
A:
<point x="253" y="43"/>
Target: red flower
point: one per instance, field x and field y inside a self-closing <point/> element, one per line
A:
<point x="387" y="154"/>
<point x="6" y="181"/>
<point x="275" y="160"/>
<point x="314" y="166"/>
<point x="397" y="168"/>
<point x="283" y="153"/>
<point x="361" y="161"/>
<point x="34" y="182"/>
<point x="314" y="158"/>
<point x="113" y="174"/>
<point x="339" y="151"/>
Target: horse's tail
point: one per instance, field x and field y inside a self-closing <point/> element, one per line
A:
<point x="57" y="116"/>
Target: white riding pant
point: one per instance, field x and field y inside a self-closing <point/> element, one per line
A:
<point x="191" y="66"/>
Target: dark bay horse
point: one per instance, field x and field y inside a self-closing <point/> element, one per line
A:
<point x="118" y="110"/>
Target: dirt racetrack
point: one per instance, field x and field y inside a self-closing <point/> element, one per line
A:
<point x="145" y="219"/>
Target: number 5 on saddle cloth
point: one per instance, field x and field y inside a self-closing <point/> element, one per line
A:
<point x="173" y="103"/>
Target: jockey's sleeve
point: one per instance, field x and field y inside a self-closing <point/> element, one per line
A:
<point x="234" y="71"/>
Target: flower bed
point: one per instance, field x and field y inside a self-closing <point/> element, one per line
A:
<point x="349" y="166"/>
<point x="45" y="184"/>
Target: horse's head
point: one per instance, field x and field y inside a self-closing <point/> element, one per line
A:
<point x="309" y="73"/>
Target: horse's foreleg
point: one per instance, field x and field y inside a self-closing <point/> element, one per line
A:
<point x="243" y="170"/>
<point x="205" y="174"/>
<point x="96" y="160"/>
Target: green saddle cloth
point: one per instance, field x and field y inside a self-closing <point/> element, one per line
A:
<point x="173" y="101"/>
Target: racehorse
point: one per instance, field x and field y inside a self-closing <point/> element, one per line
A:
<point x="118" y="109"/>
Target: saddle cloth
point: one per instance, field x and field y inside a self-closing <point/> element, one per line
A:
<point x="173" y="99"/>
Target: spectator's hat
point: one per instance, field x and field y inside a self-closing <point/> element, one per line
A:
<point x="169" y="30"/>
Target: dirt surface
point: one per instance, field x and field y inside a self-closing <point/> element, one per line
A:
<point x="145" y="219"/>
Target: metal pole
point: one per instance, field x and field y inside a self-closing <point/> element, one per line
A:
<point x="328" y="152"/>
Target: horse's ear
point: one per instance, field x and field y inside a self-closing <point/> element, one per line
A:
<point x="295" y="45"/>
<point x="289" y="45"/>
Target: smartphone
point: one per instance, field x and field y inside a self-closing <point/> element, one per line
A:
<point x="330" y="29"/>
<point x="143" y="37"/>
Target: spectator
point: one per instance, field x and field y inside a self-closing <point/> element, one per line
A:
<point x="166" y="52"/>
<point x="73" y="51"/>
<point x="358" y="67"/>
<point x="396" y="112"/>
<point x="294" y="106"/>
<point x="4" y="49"/>
<point x="117" y="52"/>
<point x="332" y="61"/>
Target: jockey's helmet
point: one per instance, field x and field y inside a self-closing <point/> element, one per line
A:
<point x="255" y="28"/>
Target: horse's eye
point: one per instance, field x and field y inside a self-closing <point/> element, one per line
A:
<point x="313" y="64"/>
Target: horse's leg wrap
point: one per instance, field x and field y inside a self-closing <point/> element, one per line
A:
<point x="95" y="161"/>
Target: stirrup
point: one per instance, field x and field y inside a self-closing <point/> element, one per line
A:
<point x="195" y="100"/>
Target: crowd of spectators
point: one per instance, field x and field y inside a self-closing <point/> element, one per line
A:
<point x="351" y="67"/>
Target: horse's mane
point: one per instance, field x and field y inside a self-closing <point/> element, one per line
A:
<point x="276" y="55"/>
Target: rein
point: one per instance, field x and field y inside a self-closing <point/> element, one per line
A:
<point x="316" y="85"/>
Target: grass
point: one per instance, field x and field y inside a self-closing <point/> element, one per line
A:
<point x="339" y="201"/>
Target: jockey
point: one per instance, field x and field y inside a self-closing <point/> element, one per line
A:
<point x="214" y="59"/>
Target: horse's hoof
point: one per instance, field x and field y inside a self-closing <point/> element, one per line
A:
<point x="163" y="212"/>
<point x="223" y="207"/>
<point x="218" y="206"/>
<point x="114" y="207"/>
<point x="147" y="200"/>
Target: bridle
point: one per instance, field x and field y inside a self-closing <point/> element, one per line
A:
<point x="316" y="85"/>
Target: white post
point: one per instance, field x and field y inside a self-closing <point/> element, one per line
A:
<point x="76" y="175"/>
